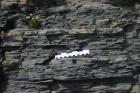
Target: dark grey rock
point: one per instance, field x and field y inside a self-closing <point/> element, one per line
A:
<point x="108" y="28"/>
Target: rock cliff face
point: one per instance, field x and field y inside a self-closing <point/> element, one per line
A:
<point x="108" y="28"/>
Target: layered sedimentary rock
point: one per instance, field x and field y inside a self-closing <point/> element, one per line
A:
<point x="5" y="3"/>
<point x="109" y="29"/>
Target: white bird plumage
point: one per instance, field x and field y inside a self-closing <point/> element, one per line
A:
<point x="74" y="53"/>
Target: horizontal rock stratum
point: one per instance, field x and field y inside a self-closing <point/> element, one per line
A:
<point x="108" y="28"/>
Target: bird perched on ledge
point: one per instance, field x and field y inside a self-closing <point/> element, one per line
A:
<point x="74" y="53"/>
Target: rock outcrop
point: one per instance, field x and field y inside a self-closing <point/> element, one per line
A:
<point x="108" y="28"/>
<point x="5" y="3"/>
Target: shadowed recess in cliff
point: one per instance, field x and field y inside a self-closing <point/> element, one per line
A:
<point x="123" y="2"/>
<point x="3" y="80"/>
<point x="44" y="7"/>
<point x="46" y="3"/>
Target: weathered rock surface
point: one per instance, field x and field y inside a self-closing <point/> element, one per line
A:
<point x="109" y="30"/>
<point x="5" y="3"/>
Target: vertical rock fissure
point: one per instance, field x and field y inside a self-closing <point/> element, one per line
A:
<point x="3" y="76"/>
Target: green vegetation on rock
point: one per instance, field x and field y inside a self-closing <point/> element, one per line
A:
<point x="33" y="22"/>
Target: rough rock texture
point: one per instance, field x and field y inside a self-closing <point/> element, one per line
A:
<point x="109" y="28"/>
<point x="5" y="3"/>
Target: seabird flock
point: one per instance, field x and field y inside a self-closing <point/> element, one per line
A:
<point x="74" y="53"/>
